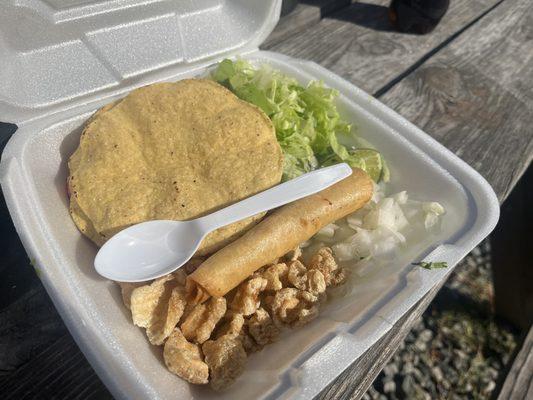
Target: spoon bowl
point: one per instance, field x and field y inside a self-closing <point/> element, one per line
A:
<point x="147" y="250"/>
<point x="152" y="249"/>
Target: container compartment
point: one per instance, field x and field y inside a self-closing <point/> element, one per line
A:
<point x="33" y="174"/>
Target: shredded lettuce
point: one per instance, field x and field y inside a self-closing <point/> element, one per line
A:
<point x="305" y="118"/>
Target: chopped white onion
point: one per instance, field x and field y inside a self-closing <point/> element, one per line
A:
<point x="381" y="228"/>
<point x="433" y="207"/>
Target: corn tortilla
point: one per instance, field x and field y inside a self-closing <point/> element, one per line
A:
<point x="171" y="151"/>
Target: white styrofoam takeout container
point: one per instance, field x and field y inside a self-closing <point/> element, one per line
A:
<point x="63" y="59"/>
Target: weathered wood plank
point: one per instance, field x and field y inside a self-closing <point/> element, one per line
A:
<point x="27" y="326"/>
<point x="59" y="372"/>
<point x="356" y="380"/>
<point x="357" y="42"/>
<point x="511" y="257"/>
<point x="28" y="320"/>
<point x="519" y="382"/>
<point x="476" y="113"/>
<point x="476" y="98"/>
<point x="306" y="13"/>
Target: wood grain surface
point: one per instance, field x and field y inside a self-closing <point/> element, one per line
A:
<point x="476" y="95"/>
<point x="357" y="42"/>
<point x="469" y="84"/>
<point x="519" y="382"/>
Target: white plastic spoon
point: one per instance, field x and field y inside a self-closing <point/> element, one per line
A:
<point x="155" y="248"/>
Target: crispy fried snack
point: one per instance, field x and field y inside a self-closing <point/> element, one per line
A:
<point x="226" y="359"/>
<point x="276" y="235"/>
<point x="185" y="359"/>
<point x="232" y="326"/>
<point x="293" y="307"/>
<point x="166" y="316"/>
<point x="173" y="151"/>
<point x="202" y="320"/>
<point x="246" y="300"/>
<point x="324" y="262"/>
<point x="145" y="299"/>
<point x="262" y="328"/>
<point x="276" y="276"/>
<point x="126" y="288"/>
<point x="212" y="342"/>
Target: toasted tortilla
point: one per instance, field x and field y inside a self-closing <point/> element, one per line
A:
<point x="172" y="151"/>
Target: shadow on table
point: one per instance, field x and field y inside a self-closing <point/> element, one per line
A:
<point x="369" y="16"/>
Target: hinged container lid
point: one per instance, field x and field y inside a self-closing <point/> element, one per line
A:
<point x="55" y="54"/>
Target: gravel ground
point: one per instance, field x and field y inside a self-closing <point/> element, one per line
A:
<point x="458" y="348"/>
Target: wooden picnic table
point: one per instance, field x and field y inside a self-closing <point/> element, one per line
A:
<point x="469" y="84"/>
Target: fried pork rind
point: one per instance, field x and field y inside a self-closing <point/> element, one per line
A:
<point x="261" y="327"/>
<point x="126" y="288"/>
<point x="293" y="307"/>
<point x="203" y="318"/>
<point x="316" y="283"/>
<point x="166" y="316"/>
<point x="180" y="276"/>
<point x="248" y="342"/>
<point x="276" y="276"/>
<point x="232" y="325"/>
<point x="144" y="300"/>
<point x="324" y="262"/>
<point x="185" y="359"/>
<point x="226" y="359"/>
<point x="284" y="294"/>
<point x="297" y="275"/>
<point x="246" y="299"/>
<point x="311" y="280"/>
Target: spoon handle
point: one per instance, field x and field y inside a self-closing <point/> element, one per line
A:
<point x="279" y="195"/>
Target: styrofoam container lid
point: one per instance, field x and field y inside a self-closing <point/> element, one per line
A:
<point x="56" y="54"/>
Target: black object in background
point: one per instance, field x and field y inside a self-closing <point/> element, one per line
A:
<point x="287" y="6"/>
<point x="417" y="16"/>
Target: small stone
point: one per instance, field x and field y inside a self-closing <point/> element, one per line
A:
<point x="421" y="345"/>
<point x="389" y="387"/>
<point x="408" y="368"/>
<point x="418" y="375"/>
<point x="437" y="373"/>
<point x="426" y="335"/>
<point x="490" y="387"/>
<point x="390" y="369"/>
<point x="492" y="372"/>
<point x="461" y="354"/>
<point x="476" y="251"/>
<point x="408" y="385"/>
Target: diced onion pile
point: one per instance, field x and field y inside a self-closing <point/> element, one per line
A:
<point x="382" y="228"/>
